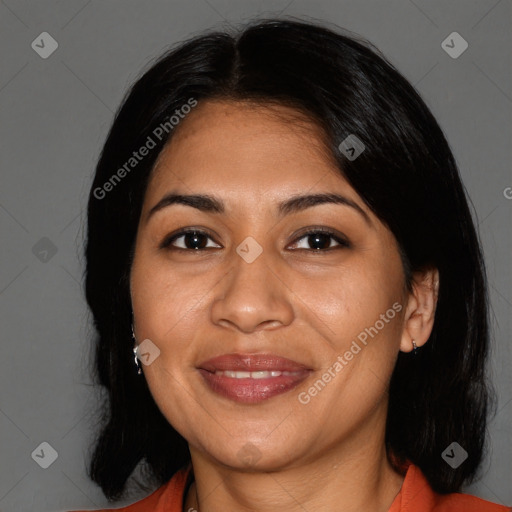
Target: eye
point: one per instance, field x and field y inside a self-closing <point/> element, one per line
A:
<point x="196" y="240"/>
<point x="321" y="238"/>
<point x="193" y="240"/>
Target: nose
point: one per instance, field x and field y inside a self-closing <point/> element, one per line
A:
<point x="252" y="296"/>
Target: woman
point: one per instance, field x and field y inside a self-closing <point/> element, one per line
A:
<point x="278" y="232"/>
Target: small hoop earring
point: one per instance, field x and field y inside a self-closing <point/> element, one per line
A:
<point x="415" y="349"/>
<point x="137" y="364"/>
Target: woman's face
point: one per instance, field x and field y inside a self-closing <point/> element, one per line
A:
<point x="275" y="346"/>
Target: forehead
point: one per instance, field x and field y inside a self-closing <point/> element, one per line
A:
<point x="249" y="153"/>
<point x="243" y="119"/>
<point x="216" y="132"/>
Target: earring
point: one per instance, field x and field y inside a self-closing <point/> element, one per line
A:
<point x="415" y="348"/>
<point x="137" y="364"/>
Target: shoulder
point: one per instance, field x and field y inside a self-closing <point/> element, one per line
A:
<point x="467" y="503"/>
<point x="418" y="496"/>
<point x="167" y="498"/>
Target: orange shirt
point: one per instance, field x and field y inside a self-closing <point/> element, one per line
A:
<point x="414" y="496"/>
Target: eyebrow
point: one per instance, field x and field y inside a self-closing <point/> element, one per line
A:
<point x="210" y="204"/>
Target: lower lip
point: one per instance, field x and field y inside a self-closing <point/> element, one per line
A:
<point x="251" y="391"/>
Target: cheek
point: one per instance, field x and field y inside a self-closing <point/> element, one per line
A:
<point x="349" y="301"/>
<point x="363" y="315"/>
<point x="164" y="304"/>
<point x="162" y="298"/>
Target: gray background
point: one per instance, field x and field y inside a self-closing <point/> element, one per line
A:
<point x="55" y="114"/>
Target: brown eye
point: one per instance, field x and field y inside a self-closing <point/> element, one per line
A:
<point x="192" y="239"/>
<point x="321" y="240"/>
<point x="316" y="240"/>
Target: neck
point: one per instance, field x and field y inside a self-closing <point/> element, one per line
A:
<point x="351" y="476"/>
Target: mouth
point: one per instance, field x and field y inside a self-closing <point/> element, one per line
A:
<point x="252" y="378"/>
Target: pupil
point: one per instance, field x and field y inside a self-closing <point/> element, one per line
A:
<point x="317" y="239"/>
<point x="194" y="237"/>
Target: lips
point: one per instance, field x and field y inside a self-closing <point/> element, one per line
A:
<point x="252" y="378"/>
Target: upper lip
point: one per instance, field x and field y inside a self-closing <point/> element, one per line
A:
<point x="251" y="362"/>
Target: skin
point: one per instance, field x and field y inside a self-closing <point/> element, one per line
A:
<point x="294" y="301"/>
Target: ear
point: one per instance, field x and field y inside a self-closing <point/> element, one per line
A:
<point x="421" y="308"/>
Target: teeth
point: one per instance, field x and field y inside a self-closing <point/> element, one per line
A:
<point x="253" y="375"/>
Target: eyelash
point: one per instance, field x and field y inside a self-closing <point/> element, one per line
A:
<point x="343" y="243"/>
